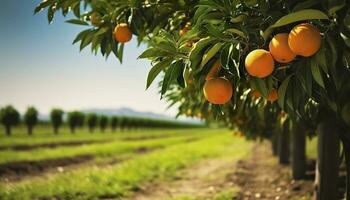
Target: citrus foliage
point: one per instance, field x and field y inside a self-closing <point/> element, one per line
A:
<point x="187" y="38"/>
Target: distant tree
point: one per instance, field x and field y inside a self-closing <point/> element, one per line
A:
<point x="56" y="116"/>
<point x="114" y="123"/>
<point x="103" y="122"/>
<point x="31" y="119"/>
<point x="75" y="119"/>
<point x="9" y="117"/>
<point x="91" y="121"/>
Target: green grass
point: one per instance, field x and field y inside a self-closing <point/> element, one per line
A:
<point x="120" y="180"/>
<point x="113" y="148"/>
<point x="311" y="148"/>
<point x="43" y="134"/>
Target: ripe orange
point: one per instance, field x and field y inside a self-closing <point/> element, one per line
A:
<point x="218" y="90"/>
<point x="213" y="70"/>
<point x="95" y="19"/>
<point x="273" y="95"/>
<point x="304" y="40"/>
<point x="122" y="33"/>
<point x="280" y="50"/>
<point x="259" y="63"/>
<point x="255" y="94"/>
<point x="185" y="29"/>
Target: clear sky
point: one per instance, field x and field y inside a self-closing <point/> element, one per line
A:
<point x="39" y="66"/>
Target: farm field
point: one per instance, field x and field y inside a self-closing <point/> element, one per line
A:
<point x="125" y="164"/>
<point x="175" y="100"/>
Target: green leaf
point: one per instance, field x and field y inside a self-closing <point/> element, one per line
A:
<point x="334" y="9"/>
<point x="51" y="13"/>
<point x="305" y="4"/>
<point x="239" y="18"/>
<point x="120" y="52"/>
<point x="78" y="22"/>
<point x="81" y="35"/>
<point x="180" y="79"/>
<point x="237" y="32"/>
<point x="211" y="53"/>
<point x="260" y="85"/>
<point x="156" y="69"/>
<point x="282" y="91"/>
<point x="76" y="9"/>
<point x="196" y="53"/>
<point x="43" y="5"/>
<point x="153" y="53"/>
<point x="316" y="73"/>
<point x="86" y="39"/>
<point x="320" y="58"/>
<point x="171" y="74"/>
<point x="301" y="15"/>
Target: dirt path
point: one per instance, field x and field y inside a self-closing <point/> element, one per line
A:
<point x="202" y="180"/>
<point x="261" y="177"/>
<point x="257" y="177"/>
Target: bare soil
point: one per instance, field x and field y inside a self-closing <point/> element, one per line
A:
<point x="201" y="180"/>
<point x="15" y="171"/>
<point x="19" y="170"/>
<point x="257" y="177"/>
<point x="261" y="177"/>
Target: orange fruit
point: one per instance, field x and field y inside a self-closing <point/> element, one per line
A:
<point x="95" y="19"/>
<point x="273" y="95"/>
<point x="122" y="33"/>
<point x="304" y="39"/>
<point x="218" y="90"/>
<point x="213" y="70"/>
<point x="280" y="50"/>
<point x="185" y="29"/>
<point x="189" y="43"/>
<point x="259" y="63"/>
<point x="255" y="94"/>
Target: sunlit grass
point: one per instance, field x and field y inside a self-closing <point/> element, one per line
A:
<point x="120" y="180"/>
<point x="311" y="148"/>
<point x="112" y="148"/>
<point x="43" y="134"/>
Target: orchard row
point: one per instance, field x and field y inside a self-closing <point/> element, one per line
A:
<point x="10" y="117"/>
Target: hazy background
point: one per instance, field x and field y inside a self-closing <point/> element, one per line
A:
<point x="39" y="66"/>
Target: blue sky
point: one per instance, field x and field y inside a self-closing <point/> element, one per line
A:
<point x="39" y="66"/>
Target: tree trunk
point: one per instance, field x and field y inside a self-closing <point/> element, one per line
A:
<point x="30" y="130"/>
<point x="346" y="146"/>
<point x="274" y="144"/>
<point x="55" y="130"/>
<point x="72" y="129"/>
<point x="298" y="151"/>
<point x="8" y="130"/>
<point x="328" y="147"/>
<point x="283" y="146"/>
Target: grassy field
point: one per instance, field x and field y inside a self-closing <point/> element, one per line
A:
<point x="143" y="156"/>
<point x="164" y="152"/>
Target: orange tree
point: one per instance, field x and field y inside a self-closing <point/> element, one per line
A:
<point x="292" y="56"/>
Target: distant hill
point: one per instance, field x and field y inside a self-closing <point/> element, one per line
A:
<point x="124" y="111"/>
